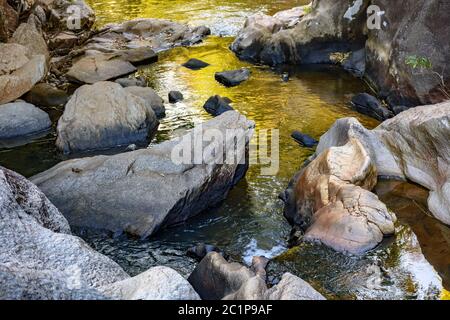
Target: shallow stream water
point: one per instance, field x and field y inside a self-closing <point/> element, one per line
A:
<point x="414" y="264"/>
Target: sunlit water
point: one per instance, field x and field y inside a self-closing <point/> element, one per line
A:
<point x="250" y="221"/>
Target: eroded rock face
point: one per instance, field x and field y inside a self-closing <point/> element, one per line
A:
<point x="104" y="115"/>
<point x="331" y="200"/>
<point x="20" y="119"/>
<point x="330" y="27"/>
<point x="142" y="191"/>
<point x="19" y="71"/>
<point x="158" y="283"/>
<point x="39" y="258"/>
<point x="215" y="279"/>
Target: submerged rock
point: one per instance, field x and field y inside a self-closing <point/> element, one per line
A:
<point x="158" y="283"/>
<point x="217" y="105"/>
<point x="104" y="115"/>
<point x="232" y="78"/>
<point x="143" y="191"/>
<point x="200" y="251"/>
<point x="371" y="106"/>
<point x="21" y="119"/>
<point x="195" y="64"/>
<point x="175" y="96"/>
<point x="45" y="95"/>
<point x="304" y="140"/>
<point x="214" y="278"/>
<point x="151" y="98"/>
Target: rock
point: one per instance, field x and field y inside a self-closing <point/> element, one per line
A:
<point x="232" y="78"/>
<point x="200" y="251"/>
<point x="21" y="119"/>
<point x="45" y="95"/>
<point x="39" y="258"/>
<point x="158" y="283"/>
<point x="400" y="148"/>
<point x="259" y="265"/>
<point x="285" y="77"/>
<point x="214" y="278"/>
<point x="289" y="18"/>
<point x="356" y="63"/>
<point x="65" y="40"/>
<point x="28" y="36"/>
<point x="103" y="115"/>
<point x="330" y="27"/>
<point x="17" y="78"/>
<point x="145" y="35"/>
<point x="61" y="15"/>
<point x="99" y="67"/>
<point x="132" y="82"/>
<point x="195" y="64"/>
<point x="293" y="288"/>
<point x="139" y="56"/>
<point x="370" y="106"/>
<point x="155" y="102"/>
<point x="399" y="109"/>
<point x="421" y="27"/>
<point x="330" y="200"/>
<point x="175" y="96"/>
<point x="217" y="105"/>
<point x="131" y="147"/>
<point x="304" y="140"/>
<point x="143" y="191"/>
<point x="9" y="20"/>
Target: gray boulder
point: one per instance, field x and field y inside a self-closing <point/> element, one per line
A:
<point x="60" y="15"/>
<point x="369" y="105"/>
<point x="158" y="283"/>
<point x="132" y="82"/>
<point x="152" y="99"/>
<point x="46" y="95"/>
<point x="214" y="278"/>
<point x="22" y="119"/>
<point x="142" y="191"/>
<point x="232" y="78"/>
<point x="104" y="115"/>
<point x="28" y="36"/>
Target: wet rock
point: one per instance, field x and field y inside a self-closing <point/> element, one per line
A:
<point x="400" y="148"/>
<point x="152" y="99"/>
<point x="26" y="73"/>
<point x="28" y="36"/>
<point x="99" y="67"/>
<point x="304" y="140"/>
<point x="356" y="63"/>
<point x="369" y="105"/>
<point x="21" y="119"/>
<point x="103" y="115"/>
<point x="143" y="191"/>
<point x="259" y="265"/>
<point x="399" y="109"/>
<point x="200" y="251"/>
<point x="155" y="34"/>
<point x="132" y="82"/>
<point x="158" y="283"/>
<point x="51" y="263"/>
<point x="195" y="64"/>
<point x="138" y="56"/>
<point x="45" y="95"/>
<point x="285" y="77"/>
<point x="331" y="200"/>
<point x="214" y="278"/>
<point x="232" y="78"/>
<point x="217" y="105"/>
<point x="175" y="96"/>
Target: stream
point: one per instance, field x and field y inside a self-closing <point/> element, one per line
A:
<point x="413" y="265"/>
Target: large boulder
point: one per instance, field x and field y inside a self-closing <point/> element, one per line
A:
<point x="21" y="119"/>
<point x="62" y="12"/>
<point x="142" y="191"/>
<point x="19" y="71"/>
<point x="377" y="39"/>
<point x="153" y="100"/>
<point x="28" y="36"/>
<point x="104" y="115"/>
<point x="331" y="201"/>
<point x="214" y="278"/>
<point x="158" y="283"/>
<point x="37" y="250"/>
<point x="413" y="145"/>
<point x="328" y="27"/>
<point x="9" y="19"/>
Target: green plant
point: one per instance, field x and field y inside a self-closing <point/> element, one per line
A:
<point x="424" y="63"/>
<point x="307" y="9"/>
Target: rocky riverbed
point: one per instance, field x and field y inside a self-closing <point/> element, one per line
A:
<point x="79" y="108"/>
